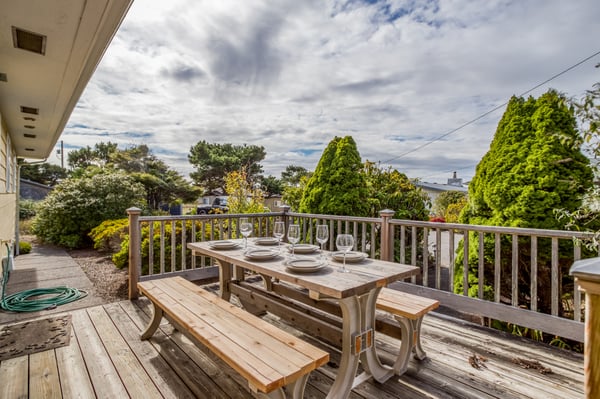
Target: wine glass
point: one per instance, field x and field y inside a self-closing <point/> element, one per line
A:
<point x="344" y="243"/>
<point x="293" y="235"/>
<point x="279" y="232"/>
<point x="246" y="230"/>
<point x="322" y="236"/>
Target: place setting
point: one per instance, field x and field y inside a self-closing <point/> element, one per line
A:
<point x="305" y="264"/>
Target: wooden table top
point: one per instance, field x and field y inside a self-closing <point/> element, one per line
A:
<point x="327" y="282"/>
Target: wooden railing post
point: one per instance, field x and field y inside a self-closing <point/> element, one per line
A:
<point x="135" y="251"/>
<point x="587" y="276"/>
<point x="386" y="237"/>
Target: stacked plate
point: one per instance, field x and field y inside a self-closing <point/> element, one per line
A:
<point x="223" y="244"/>
<point x="351" y="256"/>
<point x="266" y="241"/>
<point x="304" y="248"/>
<point x="305" y="265"/>
<point x="261" y="254"/>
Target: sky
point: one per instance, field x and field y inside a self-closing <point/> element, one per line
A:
<point x="401" y="77"/>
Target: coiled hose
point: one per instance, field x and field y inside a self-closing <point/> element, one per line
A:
<point x="25" y="301"/>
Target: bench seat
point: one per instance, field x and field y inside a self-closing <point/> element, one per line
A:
<point x="408" y="310"/>
<point x="266" y="356"/>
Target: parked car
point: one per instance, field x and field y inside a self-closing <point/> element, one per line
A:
<point x="218" y="203"/>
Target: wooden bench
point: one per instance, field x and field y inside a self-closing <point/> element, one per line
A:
<point x="266" y="356"/>
<point x="409" y="311"/>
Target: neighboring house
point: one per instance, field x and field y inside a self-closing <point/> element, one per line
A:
<point x="435" y="189"/>
<point x="31" y="190"/>
<point x="49" y="51"/>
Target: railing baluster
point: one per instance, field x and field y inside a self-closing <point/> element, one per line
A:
<point x="451" y="256"/>
<point x="438" y="258"/>
<point x="151" y="248"/>
<point x="193" y="239"/>
<point x="576" y="291"/>
<point x="480" y="265"/>
<point x="183" y="244"/>
<point x="466" y="264"/>
<point x="497" y="267"/>
<point x="555" y="295"/>
<point x="173" y="245"/>
<point x="534" y="273"/>
<point x="425" y="257"/>
<point x="515" y="271"/>
<point x="162" y="247"/>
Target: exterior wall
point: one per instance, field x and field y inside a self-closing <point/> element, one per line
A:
<point x="8" y="185"/>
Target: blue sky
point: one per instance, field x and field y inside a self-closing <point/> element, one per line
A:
<point x="290" y="75"/>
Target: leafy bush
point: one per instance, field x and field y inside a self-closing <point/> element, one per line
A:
<point x="27" y="209"/>
<point x="75" y="206"/>
<point x="24" y="247"/>
<point x="109" y="234"/>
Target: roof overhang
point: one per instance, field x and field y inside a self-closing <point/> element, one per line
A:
<point x="74" y="36"/>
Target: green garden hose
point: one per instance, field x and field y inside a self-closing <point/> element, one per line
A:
<point x="50" y="298"/>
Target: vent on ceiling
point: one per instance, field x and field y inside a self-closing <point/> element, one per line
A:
<point x="29" y="110"/>
<point x="29" y="135"/>
<point x="29" y="41"/>
<point x="29" y="118"/>
<point x="29" y="149"/>
<point x="3" y="77"/>
<point x="29" y="126"/>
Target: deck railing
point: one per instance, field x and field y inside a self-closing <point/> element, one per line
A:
<point x="430" y="245"/>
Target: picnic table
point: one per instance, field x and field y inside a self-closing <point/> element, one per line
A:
<point x="356" y="293"/>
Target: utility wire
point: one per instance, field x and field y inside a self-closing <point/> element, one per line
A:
<point x="492" y="110"/>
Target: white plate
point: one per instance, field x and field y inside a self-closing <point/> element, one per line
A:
<point x="223" y="244"/>
<point x="261" y="254"/>
<point x="307" y="265"/>
<point x="351" y="256"/>
<point x="266" y="241"/>
<point x="303" y="248"/>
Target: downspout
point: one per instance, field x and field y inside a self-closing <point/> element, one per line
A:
<point x="18" y="206"/>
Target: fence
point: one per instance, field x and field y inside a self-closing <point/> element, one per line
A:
<point x="158" y="246"/>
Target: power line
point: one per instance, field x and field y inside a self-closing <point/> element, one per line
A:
<point x="492" y="110"/>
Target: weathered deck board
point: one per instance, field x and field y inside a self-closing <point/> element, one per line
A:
<point x="106" y="358"/>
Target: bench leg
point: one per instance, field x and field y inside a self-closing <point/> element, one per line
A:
<point x="408" y="342"/>
<point x="157" y="315"/>
<point x="411" y="342"/>
<point x="295" y="389"/>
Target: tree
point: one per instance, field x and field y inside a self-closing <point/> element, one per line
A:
<point x="292" y="174"/>
<point x="271" y="185"/>
<point x="243" y="197"/>
<point x="100" y="155"/>
<point x="214" y="161"/>
<point x="292" y="195"/>
<point x="445" y="199"/>
<point x="337" y="187"/>
<point x="390" y="189"/>
<point x="76" y="205"/>
<point x="44" y="173"/>
<point x="532" y="168"/>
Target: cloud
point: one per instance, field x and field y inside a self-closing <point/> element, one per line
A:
<point x="291" y="75"/>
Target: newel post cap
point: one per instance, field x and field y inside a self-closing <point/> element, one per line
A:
<point x="586" y="269"/>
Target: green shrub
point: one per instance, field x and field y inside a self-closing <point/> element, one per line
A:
<point x="27" y="209"/>
<point x="24" y="247"/>
<point x="77" y="205"/>
<point x="109" y="234"/>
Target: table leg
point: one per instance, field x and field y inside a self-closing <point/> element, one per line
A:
<point x="358" y="343"/>
<point x="351" y="316"/>
<point x="225" y="276"/>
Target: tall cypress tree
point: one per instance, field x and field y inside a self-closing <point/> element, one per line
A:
<point x="531" y="169"/>
<point x="337" y="187"/>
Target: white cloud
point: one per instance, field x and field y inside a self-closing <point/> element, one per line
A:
<point x="291" y="75"/>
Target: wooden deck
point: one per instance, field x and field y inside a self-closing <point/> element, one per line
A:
<point x="107" y="359"/>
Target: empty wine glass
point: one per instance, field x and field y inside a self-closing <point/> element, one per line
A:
<point x="322" y="236"/>
<point x="279" y="232"/>
<point x="293" y="235"/>
<point x="246" y="230"/>
<point x="344" y="243"/>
